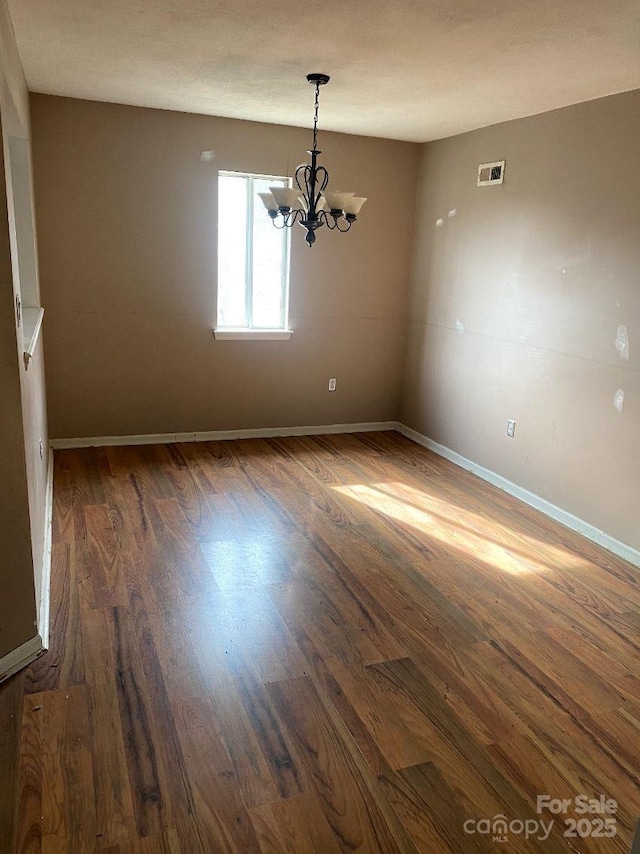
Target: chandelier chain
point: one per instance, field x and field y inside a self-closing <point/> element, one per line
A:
<point x="315" y="118"/>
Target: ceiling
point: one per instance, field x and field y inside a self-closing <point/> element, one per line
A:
<point x="405" y="69"/>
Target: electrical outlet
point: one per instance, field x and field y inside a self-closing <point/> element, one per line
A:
<point x="41" y="450"/>
<point x="332" y="384"/>
<point x="511" y="428"/>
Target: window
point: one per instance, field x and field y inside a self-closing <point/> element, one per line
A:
<point x="253" y="260"/>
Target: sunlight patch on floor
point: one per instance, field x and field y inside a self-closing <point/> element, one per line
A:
<point x="496" y="544"/>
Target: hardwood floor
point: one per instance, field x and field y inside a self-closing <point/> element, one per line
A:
<point x="321" y="644"/>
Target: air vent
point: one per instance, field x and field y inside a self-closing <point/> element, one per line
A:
<point x="491" y="173"/>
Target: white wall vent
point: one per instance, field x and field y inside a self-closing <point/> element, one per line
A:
<point x="491" y="173"/>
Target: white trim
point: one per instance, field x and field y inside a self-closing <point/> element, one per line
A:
<point x="219" y="435"/>
<point x="20" y="657"/>
<point x="587" y="530"/>
<point x="44" y="604"/>
<point x="242" y="334"/>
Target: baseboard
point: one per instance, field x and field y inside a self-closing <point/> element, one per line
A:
<point x="567" y="519"/>
<point x="220" y="435"/>
<point x="20" y="657"/>
<point x="33" y="648"/>
<point x="44" y="605"/>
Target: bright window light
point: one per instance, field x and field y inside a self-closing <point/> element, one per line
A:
<point x="253" y="256"/>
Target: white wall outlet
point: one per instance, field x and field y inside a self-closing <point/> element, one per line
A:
<point x="332" y="384"/>
<point x="511" y="428"/>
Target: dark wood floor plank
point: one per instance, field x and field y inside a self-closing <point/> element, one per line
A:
<point x="115" y="812"/>
<point x="27" y="830"/>
<point x="401" y="700"/>
<point x="263" y="466"/>
<point x="175" y="788"/>
<point x="256" y="708"/>
<point x="294" y="826"/>
<point x="430" y="810"/>
<point x="614" y="666"/>
<point x="625" y="723"/>
<point x="63" y="665"/>
<point x="104" y="557"/>
<point x="184" y="565"/>
<point x="329" y="770"/>
<point x="585" y="751"/>
<point x="343" y="626"/>
<point x="144" y="466"/>
<point x="529" y="767"/>
<point x="158" y="779"/>
<point x="233" y="721"/>
<point x="190" y="486"/>
<point x="220" y="815"/>
<point x="68" y="799"/>
<point x="11" y="696"/>
<point x="335" y="698"/>
<point x="162" y="843"/>
<point x="223" y="468"/>
<point x="305" y="452"/>
<point x="86" y="470"/>
<point x="223" y="521"/>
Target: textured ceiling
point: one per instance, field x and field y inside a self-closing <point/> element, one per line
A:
<point x="405" y="69"/>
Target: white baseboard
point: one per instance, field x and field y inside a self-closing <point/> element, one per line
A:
<point x="219" y="435"/>
<point x="44" y="604"/>
<point x="587" y="530"/>
<point x="20" y="657"/>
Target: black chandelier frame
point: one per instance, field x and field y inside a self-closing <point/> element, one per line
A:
<point x="312" y="180"/>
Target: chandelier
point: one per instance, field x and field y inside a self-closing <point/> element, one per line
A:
<point x="310" y="203"/>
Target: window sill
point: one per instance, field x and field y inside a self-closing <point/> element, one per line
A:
<point x="230" y="334"/>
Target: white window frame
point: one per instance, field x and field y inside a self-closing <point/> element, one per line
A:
<point x="250" y="331"/>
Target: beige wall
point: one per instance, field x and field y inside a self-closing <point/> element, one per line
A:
<point x="126" y="216"/>
<point x="540" y="272"/>
<point x="23" y="410"/>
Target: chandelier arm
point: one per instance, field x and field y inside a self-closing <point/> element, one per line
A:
<point x="288" y="219"/>
<point x="322" y="172"/>
<point x="318" y="180"/>
<point x="303" y="176"/>
<point x="328" y="220"/>
<point x="311" y="180"/>
<point x="333" y="221"/>
<point x="342" y="230"/>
